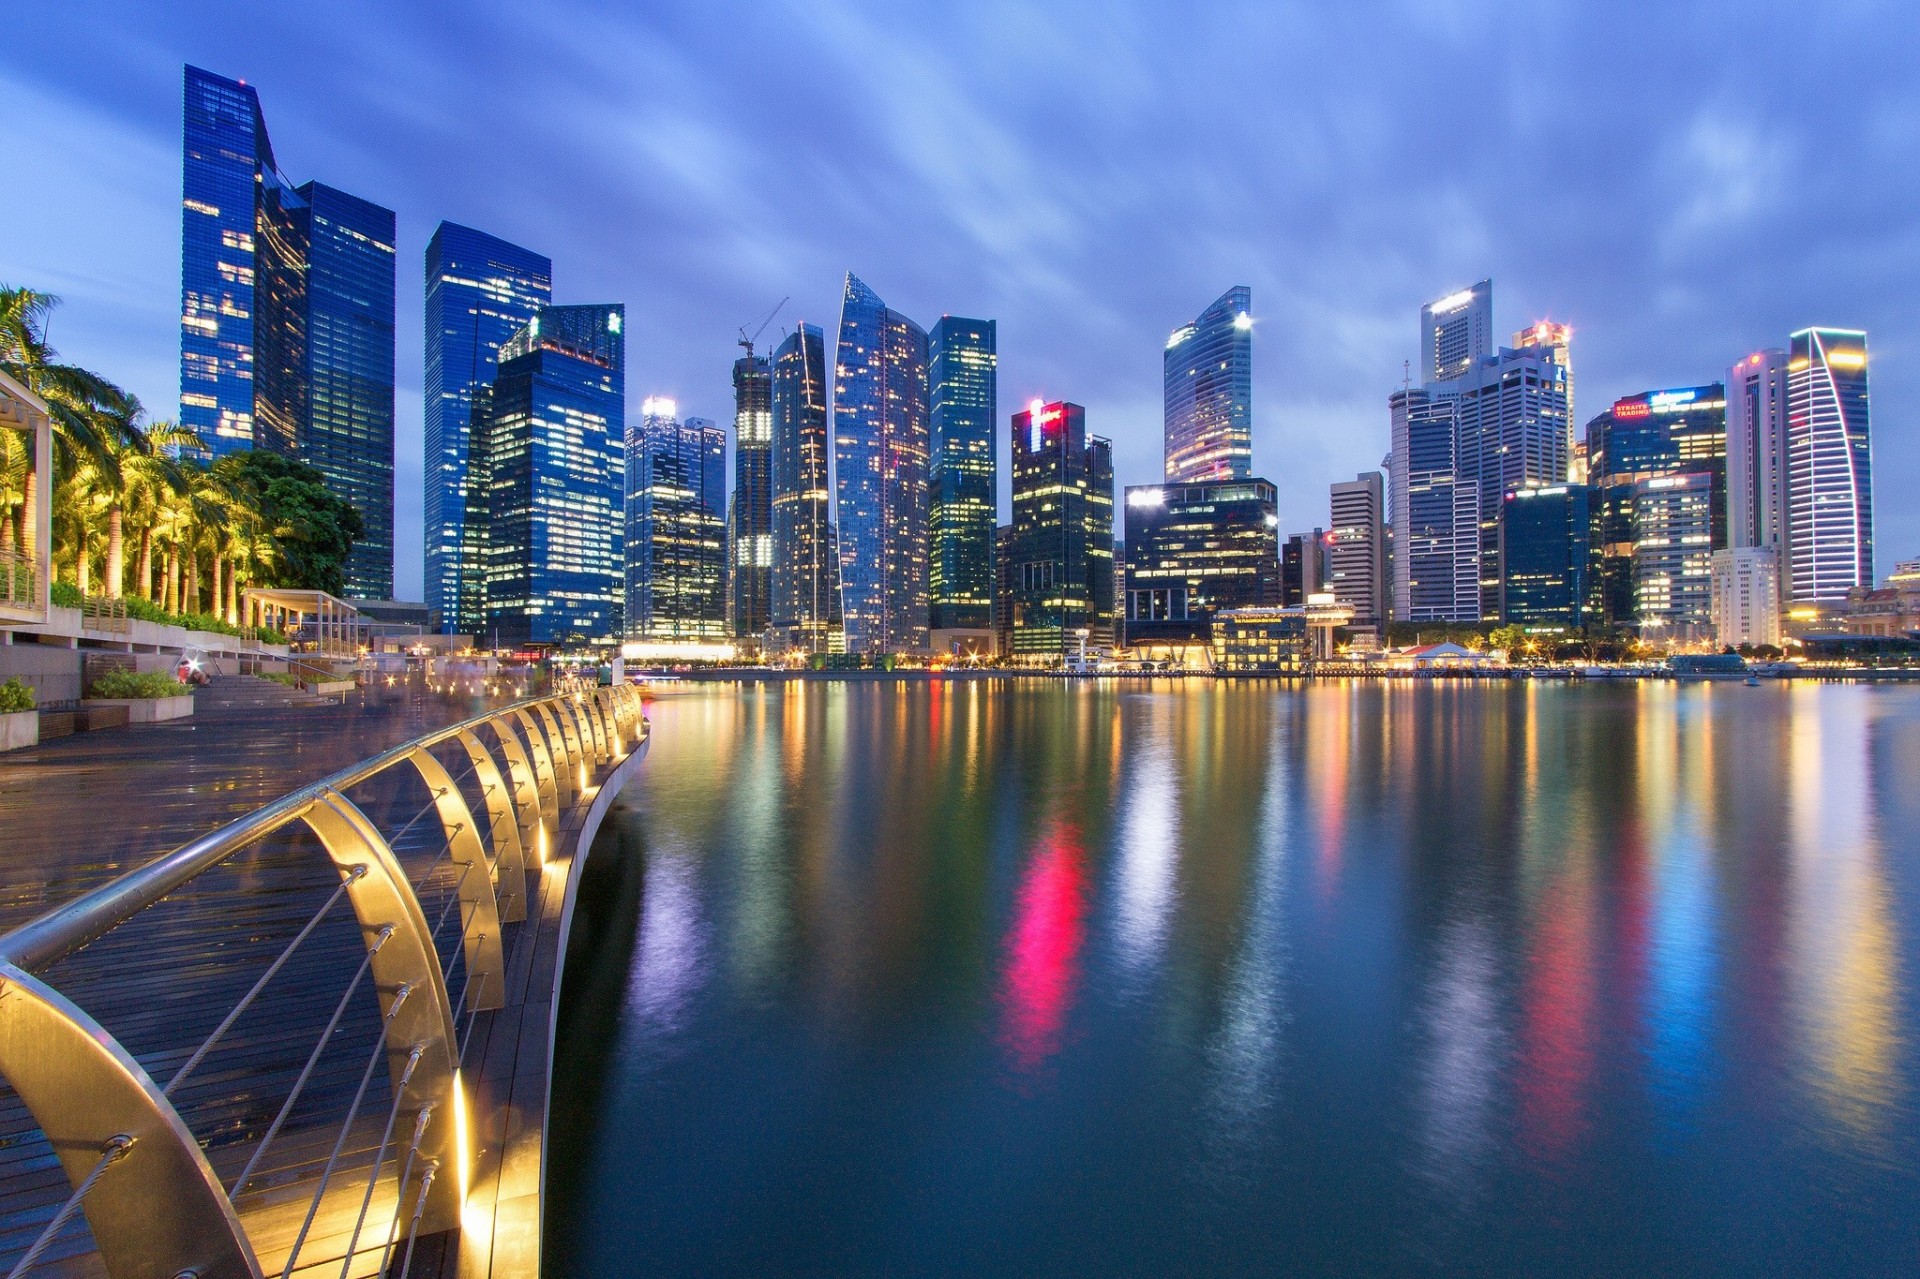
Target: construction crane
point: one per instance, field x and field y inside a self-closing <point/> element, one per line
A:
<point x="748" y="342"/>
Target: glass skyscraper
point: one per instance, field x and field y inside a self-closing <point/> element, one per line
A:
<point x="1208" y="376"/>
<point x="880" y="444"/>
<point x="1192" y="551"/>
<point x="550" y="465"/>
<point x="1829" y="466"/>
<point x="1061" y="559"/>
<point x="962" y="389"/>
<point x="1673" y="520"/>
<point x="481" y="290"/>
<point x="805" y="606"/>
<point x="750" y="518"/>
<point x="1547" y="559"/>
<point x="676" y="538"/>
<point x="1510" y="413"/>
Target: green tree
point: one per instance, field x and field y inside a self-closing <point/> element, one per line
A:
<point x="310" y="530"/>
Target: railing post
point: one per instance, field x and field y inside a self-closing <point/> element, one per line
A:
<point x="566" y="769"/>
<point x="532" y="790"/>
<point x="157" y="1209"/>
<point x="548" y="768"/>
<point x="509" y="857"/>
<point x="473" y="882"/>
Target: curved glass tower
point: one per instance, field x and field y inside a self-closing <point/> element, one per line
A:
<point x="1209" y="392"/>
<point x="1829" y="465"/>
<point x="805" y="603"/>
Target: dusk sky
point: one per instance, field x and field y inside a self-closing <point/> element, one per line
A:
<point x="1683" y="183"/>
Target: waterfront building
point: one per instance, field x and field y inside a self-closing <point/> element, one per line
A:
<point x="1510" y="417"/>
<point x="548" y="472"/>
<point x="1456" y="332"/>
<point x="1267" y="641"/>
<point x="1746" y="596"/>
<point x="1673" y="521"/>
<point x="1756" y="395"/>
<point x="481" y="290"/>
<point x="1892" y="611"/>
<point x="880" y="453"/>
<point x="1003" y="590"/>
<point x="1357" y="549"/>
<point x="1830" y="466"/>
<point x="1436" y="565"/>
<point x="1547" y="558"/>
<point x="1557" y="340"/>
<point x="675" y="539"/>
<point x="1208" y="383"/>
<point x="1293" y="567"/>
<point x="804" y="610"/>
<point x="750" y="516"/>
<point x="962" y="391"/>
<point x="1193" y="550"/>
<point x="1062" y="551"/>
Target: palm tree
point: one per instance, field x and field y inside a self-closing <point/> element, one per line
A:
<point x="142" y="470"/>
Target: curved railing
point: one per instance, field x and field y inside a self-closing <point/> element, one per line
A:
<point x="231" y="969"/>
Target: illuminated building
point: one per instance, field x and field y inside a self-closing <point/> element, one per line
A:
<point x="1456" y="332"/>
<point x="961" y="380"/>
<point x="1436" y="563"/>
<point x="1655" y="433"/>
<point x="1557" y="341"/>
<point x="1510" y="417"/>
<point x="750" y="517"/>
<point x="676" y="540"/>
<point x="1673" y="522"/>
<point x="880" y="453"/>
<point x="1746" y="596"/>
<point x="1548" y="573"/>
<point x="1208" y="374"/>
<point x="1294" y="561"/>
<point x="1269" y="641"/>
<point x="1756" y="392"/>
<point x="1061" y="559"/>
<point x="1357" y="549"/>
<point x="1192" y="550"/>
<point x="549" y="468"/>
<point x="805" y="606"/>
<point x="481" y="290"/>
<point x="1003" y="590"/>
<point x="1829" y="466"/>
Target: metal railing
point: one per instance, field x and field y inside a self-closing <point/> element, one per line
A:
<point x="230" y="969"/>
<point x="100" y="613"/>
<point x="19" y="580"/>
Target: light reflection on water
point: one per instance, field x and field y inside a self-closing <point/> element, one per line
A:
<point x="1008" y="978"/>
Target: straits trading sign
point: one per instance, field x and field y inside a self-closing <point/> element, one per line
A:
<point x="1683" y="399"/>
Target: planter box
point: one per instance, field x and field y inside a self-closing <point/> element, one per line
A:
<point x="331" y="687"/>
<point x="18" y="729"/>
<point x="145" y="710"/>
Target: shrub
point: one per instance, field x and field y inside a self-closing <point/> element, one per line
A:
<point x="282" y="677"/>
<point x="64" y="594"/>
<point x="128" y="684"/>
<point x="15" y="696"/>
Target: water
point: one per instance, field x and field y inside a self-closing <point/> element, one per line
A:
<point x="1029" y="978"/>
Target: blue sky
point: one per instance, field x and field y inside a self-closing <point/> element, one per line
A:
<point x="1682" y="182"/>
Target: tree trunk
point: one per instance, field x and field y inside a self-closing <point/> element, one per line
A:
<point x="214" y="598"/>
<point x="30" y="515"/>
<point x="143" y="581"/>
<point x="170" y="580"/>
<point x="80" y="566"/>
<point x="116" y="554"/>
<point x="190" y="581"/>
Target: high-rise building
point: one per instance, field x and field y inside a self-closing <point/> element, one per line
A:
<point x="805" y="605"/>
<point x="1746" y="596"/>
<point x="1208" y="376"/>
<point x="750" y="517"/>
<point x="1192" y="551"/>
<point x="1456" y="332"/>
<point x="1510" y="414"/>
<point x="1557" y="341"/>
<point x="1673" y="521"/>
<point x="1547" y="557"/>
<point x="481" y="290"/>
<point x="962" y="379"/>
<point x="1297" y="561"/>
<point x="1357" y="549"/>
<point x="1756" y="393"/>
<point x="1062" y="555"/>
<point x="676" y="538"/>
<point x="1436" y="564"/>
<point x="1003" y="590"/>
<point x="549" y="467"/>
<point x="880" y="449"/>
<point x="1829" y="466"/>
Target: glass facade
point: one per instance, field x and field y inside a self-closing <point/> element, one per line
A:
<point x="1357" y="548"/>
<point x="1829" y="466"/>
<point x="750" y="518"/>
<point x="1511" y="419"/>
<point x="549" y="464"/>
<point x="676" y="537"/>
<point x="1193" y="550"/>
<point x="481" y="290"/>
<point x="1436" y="563"/>
<point x="1208" y="383"/>
<point x="1673" y="521"/>
<point x="1547" y="557"/>
<point x="1060" y="563"/>
<point x="805" y="607"/>
<point x="962" y="378"/>
<point x="1456" y="332"/>
<point x="880" y="443"/>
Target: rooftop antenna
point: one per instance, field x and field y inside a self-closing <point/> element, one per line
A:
<point x="748" y="342"/>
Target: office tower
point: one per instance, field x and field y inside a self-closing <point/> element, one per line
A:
<point x="1436" y="566"/>
<point x="1192" y="551"/>
<point x="676" y="538"/>
<point x="750" y="518"/>
<point x="961" y="392"/>
<point x="1756" y="392"/>
<point x="1357" y="549"/>
<point x="1829" y="466"/>
<point x="1208" y="374"/>
<point x="805" y="606"/>
<point x="550" y="469"/>
<point x="1062" y="553"/>
<point x="1673" y="520"/>
<point x="1003" y="590"/>
<point x="1746" y="596"/>
<point x="1456" y="332"/>
<point x="880" y="451"/>
<point x="1293" y="568"/>
<point x="1557" y="341"/>
<point x="481" y="290"/>
<point x="1547" y="560"/>
<point x="1510" y="414"/>
<point x="1646" y="436"/>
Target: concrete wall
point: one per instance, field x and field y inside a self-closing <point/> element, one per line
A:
<point x="52" y="673"/>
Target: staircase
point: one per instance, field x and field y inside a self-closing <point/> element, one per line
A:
<point x="244" y="693"/>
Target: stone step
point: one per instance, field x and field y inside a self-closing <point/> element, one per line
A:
<point x="250" y="692"/>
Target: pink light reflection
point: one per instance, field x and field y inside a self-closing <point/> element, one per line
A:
<point x="1043" y="948"/>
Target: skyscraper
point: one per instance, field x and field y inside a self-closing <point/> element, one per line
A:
<point x="1194" y="550"/>
<point x="1208" y="375"/>
<point x="805" y="607"/>
<point x="1673" y="519"/>
<point x="1756" y="392"/>
<point x="1436" y="564"/>
<point x="1829" y="466"/>
<point x="1547" y="561"/>
<point x="550" y="463"/>
<point x="750" y="518"/>
<point x="481" y="290"/>
<point x="880" y="447"/>
<point x="676" y="538"/>
<point x="1557" y="341"/>
<point x="1061" y="560"/>
<point x="1511" y="419"/>
<point x="1357" y="549"/>
<point x="1456" y="331"/>
<point x="961" y="379"/>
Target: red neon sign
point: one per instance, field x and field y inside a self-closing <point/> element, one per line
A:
<point x="1632" y="408"/>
